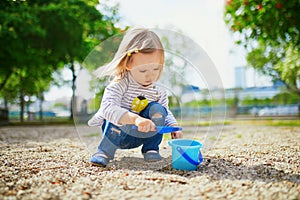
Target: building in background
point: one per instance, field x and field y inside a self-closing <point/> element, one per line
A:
<point x="240" y="77"/>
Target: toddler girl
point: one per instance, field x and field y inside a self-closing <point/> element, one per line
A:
<point x="133" y="99"/>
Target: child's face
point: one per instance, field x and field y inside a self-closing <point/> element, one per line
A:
<point x="145" y="68"/>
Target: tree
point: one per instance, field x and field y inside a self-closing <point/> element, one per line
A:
<point x="37" y="37"/>
<point x="269" y="30"/>
<point x="22" y="60"/>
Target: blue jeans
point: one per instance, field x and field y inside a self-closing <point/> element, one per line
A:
<point x="125" y="137"/>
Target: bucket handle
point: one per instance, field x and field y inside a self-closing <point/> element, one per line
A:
<point x="189" y="159"/>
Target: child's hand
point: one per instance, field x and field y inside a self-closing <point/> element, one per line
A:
<point x="177" y="135"/>
<point x="144" y="125"/>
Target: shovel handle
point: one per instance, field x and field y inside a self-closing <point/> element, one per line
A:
<point x="163" y="129"/>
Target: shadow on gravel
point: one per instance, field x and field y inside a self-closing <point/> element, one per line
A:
<point x="138" y="163"/>
<point x="218" y="169"/>
<point x="215" y="168"/>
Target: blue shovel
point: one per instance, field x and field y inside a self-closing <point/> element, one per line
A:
<point x="163" y="129"/>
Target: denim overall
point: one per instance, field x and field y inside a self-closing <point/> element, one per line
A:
<point x="125" y="137"/>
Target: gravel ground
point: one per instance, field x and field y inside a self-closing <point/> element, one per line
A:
<point x="247" y="162"/>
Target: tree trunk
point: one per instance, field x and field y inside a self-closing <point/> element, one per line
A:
<point x="41" y="106"/>
<point x="4" y="81"/>
<point x="22" y="105"/>
<point x="73" y="99"/>
<point x="234" y="108"/>
<point x="5" y="103"/>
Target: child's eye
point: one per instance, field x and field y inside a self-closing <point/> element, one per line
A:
<point x="155" y="69"/>
<point x="143" y="71"/>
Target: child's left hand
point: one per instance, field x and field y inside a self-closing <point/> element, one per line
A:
<point x="177" y="135"/>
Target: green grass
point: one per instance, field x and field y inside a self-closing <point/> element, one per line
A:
<point x="197" y="123"/>
<point x="213" y="138"/>
<point x="284" y="123"/>
<point x="53" y="121"/>
<point x="268" y="122"/>
<point x="167" y="136"/>
<point x="92" y="135"/>
<point x="264" y="122"/>
<point x="239" y="136"/>
<point x="184" y="122"/>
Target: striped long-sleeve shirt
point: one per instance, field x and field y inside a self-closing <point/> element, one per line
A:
<point x="118" y="97"/>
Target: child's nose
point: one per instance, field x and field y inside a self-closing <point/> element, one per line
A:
<point x="152" y="74"/>
<point x="149" y="74"/>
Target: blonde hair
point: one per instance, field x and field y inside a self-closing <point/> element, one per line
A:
<point x="136" y="40"/>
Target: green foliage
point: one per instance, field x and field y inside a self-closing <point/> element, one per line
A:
<point x="195" y="103"/>
<point x="94" y="103"/>
<point x="60" y="105"/>
<point x="231" y="102"/>
<point x="289" y="68"/>
<point x="265" y="20"/>
<point x="38" y="37"/>
<point x="286" y="98"/>
<point x="269" y="30"/>
<point x="249" y="101"/>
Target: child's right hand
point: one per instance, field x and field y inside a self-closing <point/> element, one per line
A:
<point x="144" y="125"/>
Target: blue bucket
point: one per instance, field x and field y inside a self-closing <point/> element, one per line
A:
<point x="186" y="154"/>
